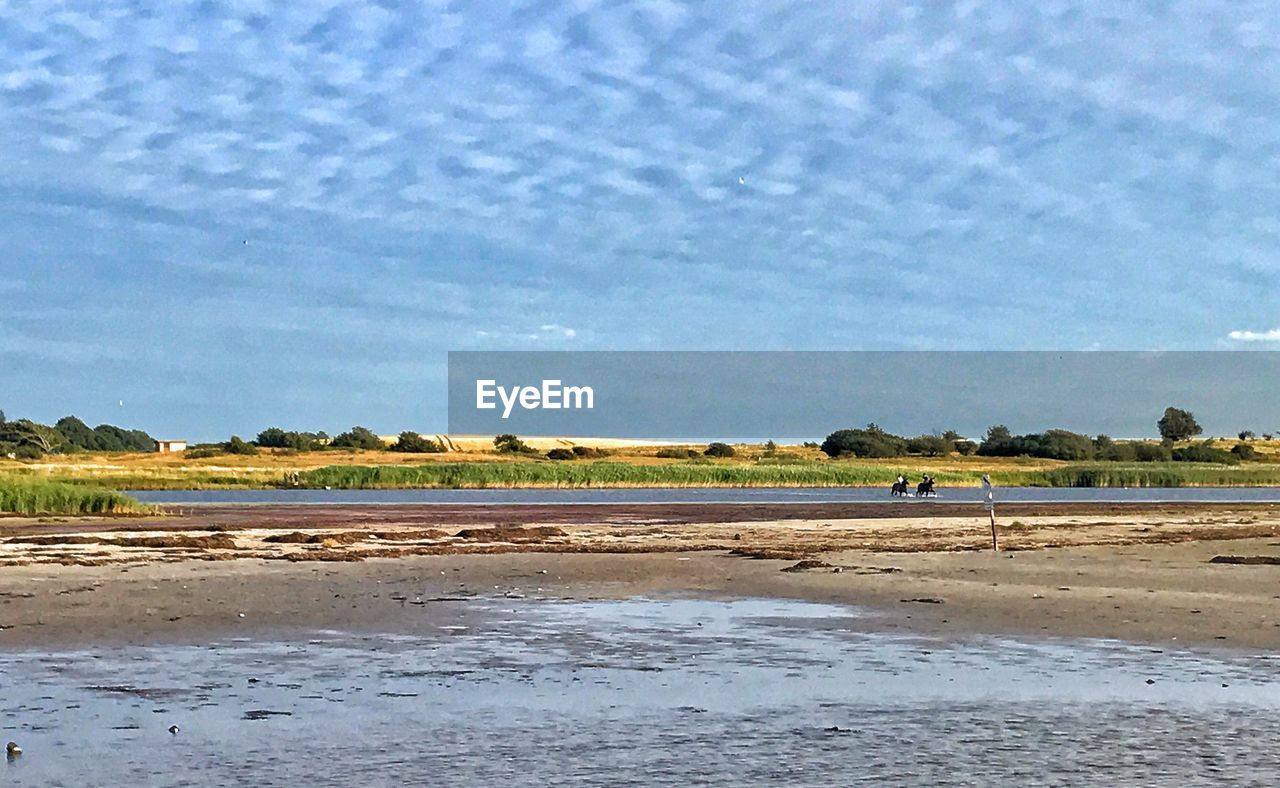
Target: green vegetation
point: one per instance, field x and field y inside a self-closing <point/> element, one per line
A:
<point x="536" y="473"/>
<point x="238" y="446"/>
<point x="719" y="450"/>
<point x="413" y="443"/>
<point x="1177" y="425"/>
<point x="276" y="438"/>
<point x="1177" y="474"/>
<point x="510" y="444"/>
<point x="798" y="474"/>
<point x="30" y="496"/>
<point x="359" y="438"/>
<point x="26" y="439"/>
<point x="868" y="442"/>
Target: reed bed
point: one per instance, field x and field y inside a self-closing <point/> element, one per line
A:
<point x="31" y="496"/>
<point x="534" y="473"/>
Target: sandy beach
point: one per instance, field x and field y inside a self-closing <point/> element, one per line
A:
<point x="1142" y="573"/>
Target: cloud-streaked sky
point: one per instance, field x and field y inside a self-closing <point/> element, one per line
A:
<point x="229" y="215"/>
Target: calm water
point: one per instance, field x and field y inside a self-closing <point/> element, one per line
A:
<point x="642" y="692"/>
<point x="706" y="495"/>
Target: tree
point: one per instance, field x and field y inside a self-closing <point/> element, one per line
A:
<point x="997" y="443"/>
<point x="238" y="446"/>
<point x="1177" y="425"/>
<point x="273" y="438"/>
<point x="28" y="436"/>
<point x="1247" y="435"/>
<point x="868" y="442"/>
<point x="930" y="445"/>
<point x="510" y="444"/>
<point x="359" y="438"/>
<point x="276" y="438"/>
<point x="413" y="443"/>
<point x="77" y="433"/>
<point x="718" y="449"/>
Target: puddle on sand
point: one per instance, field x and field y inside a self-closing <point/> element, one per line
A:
<point x="642" y="692"/>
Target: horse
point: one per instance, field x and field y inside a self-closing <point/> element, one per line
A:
<point x="925" y="488"/>
<point x="900" y="488"/>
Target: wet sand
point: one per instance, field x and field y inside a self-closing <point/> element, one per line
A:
<point x="1141" y="574"/>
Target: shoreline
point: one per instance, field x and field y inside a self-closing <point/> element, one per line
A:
<point x="1139" y="574"/>
<point x="160" y="604"/>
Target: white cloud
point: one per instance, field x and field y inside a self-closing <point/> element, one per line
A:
<point x="1256" y="336"/>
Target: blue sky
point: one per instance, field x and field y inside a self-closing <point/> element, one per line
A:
<point x="230" y="215"/>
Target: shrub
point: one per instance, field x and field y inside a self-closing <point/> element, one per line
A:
<point x="238" y="446"/>
<point x="676" y="453"/>
<point x="562" y="454"/>
<point x="1151" y="452"/>
<point x="719" y="450"/>
<point x="413" y="443"/>
<point x="1244" y="451"/>
<point x="869" y="442"/>
<point x="929" y="445"/>
<point x="1203" y="452"/>
<point x="1053" y="444"/>
<point x="510" y="444"/>
<point x="202" y="452"/>
<point x="359" y="438"/>
<point x="276" y="438"/>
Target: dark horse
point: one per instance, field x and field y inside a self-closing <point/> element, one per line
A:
<point x="925" y="488"/>
<point x="900" y="488"/>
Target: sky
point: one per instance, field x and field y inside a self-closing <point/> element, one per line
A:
<point x="220" y="216"/>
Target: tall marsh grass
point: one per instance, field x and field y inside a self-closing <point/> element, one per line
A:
<point x="1156" y="474"/>
<point x="30" y="496"/>
<point x="479" y="475"/>
<point x="609" y="474"/>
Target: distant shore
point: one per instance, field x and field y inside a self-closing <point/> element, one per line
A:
<point x="389" y="470"/>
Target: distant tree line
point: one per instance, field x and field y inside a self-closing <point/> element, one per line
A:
<point x="355" y="439"/>
<point x="27" y="439"/>
<point x="1174" y="426"/>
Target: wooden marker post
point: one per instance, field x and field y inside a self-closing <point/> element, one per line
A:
<point x="989" y="503"/>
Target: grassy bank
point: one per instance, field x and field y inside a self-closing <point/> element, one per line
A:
<point x="610" y="474"/>
<point x="808" y="474"/>
<point x="39" y="496"/>
<point x="1165" y="474"/>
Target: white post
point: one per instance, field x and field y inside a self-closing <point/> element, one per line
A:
<point x="989" y="503"/>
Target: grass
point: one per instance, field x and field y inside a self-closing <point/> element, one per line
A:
<point x="722" y="474"/>
<point x="753" y="467"/>
<point x="1155" y="474"/>
<point x="611" y="474"/>
<point x="28" y="496"/>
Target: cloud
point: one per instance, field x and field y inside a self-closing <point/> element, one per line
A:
<point x="424" y="178"/>
<point x="1256" y="336"/>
